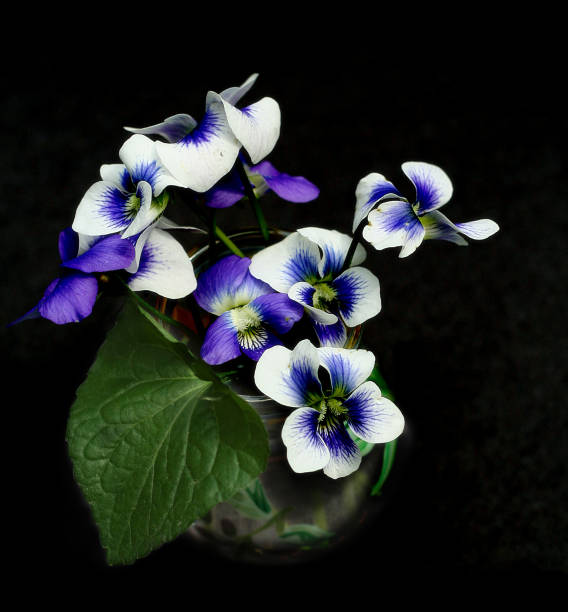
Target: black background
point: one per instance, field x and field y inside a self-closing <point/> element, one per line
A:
<point x="471" y="339"/>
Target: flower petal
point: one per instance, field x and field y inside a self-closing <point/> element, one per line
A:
<point x="104" y="209"/>
<point x="348" y="368"/>
<point x="164" y="268"/>
<point x="303" y="294"/>
<point x="372" y="417"/>
<point x="358" y="294"/>
<point x="277" y="311"/>
<point x="331" y="335"/>
<point x="345" y="456"/>
<point x="290" y="377"/>
<point x="69" y="299"/>
<point x="256" y="127"/>
<point x="306" y="451"/>
<point x="370" y="190"/>
<point x="290" y="188"/>
<point x="118" y="175"/>
<point x="478" y="230"/>
<point x="164" y="223"/>
<point x="140" y="157"/>
<point x="438" y="227"/>
<point x="68" y="244"/>
<point x="172" y="129"/>
<point x="107" y="253"/>
<point x="433" y="185"/>
<point x="232" y="95"/>
<point x="148" y="212"/>
<point x="206" y="154"/>
<point x="228" y="284"/>
<point x="220" y="343"/>
<point x="413" y="239"/>
<point x="334" y="246"/>
<point x="287" y="262"/>
<point x="254" y="341"/>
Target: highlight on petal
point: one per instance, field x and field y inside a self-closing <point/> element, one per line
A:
<point x="69" y="299"/>
<point x="370" y="190"/>
<point x="348" y="368"/>
<point x="206" y="154"/>
<point x="140" y="157"/>
<point x="306" y="451"/>
<point x="358" y="295"/>
<point x="164" y="267"/>
<point x="372" y="417"/>
<point x="220" y="344"/>
<point x="290" y="377"/>
<point x="256" y="127"/>
<point x="292" y="260"/>
<point x="171" y="129"/>
<point x="106" y="254"/>
<point x="104" y="209"/>
<point x="478" y="230"/>
<point x="334" y="335"/>
<point x="334" y="246"/>
<point x="433" y="185"/>
<point x="345" y="456"/>
<point x="168" y="224"/>
<point x="290" y="188"/>
<point x="389" y="224"/>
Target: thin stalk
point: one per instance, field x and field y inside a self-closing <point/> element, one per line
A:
<point x="249" y="192"/>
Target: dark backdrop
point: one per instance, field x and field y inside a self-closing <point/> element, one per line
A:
<point x="472" y="340"/>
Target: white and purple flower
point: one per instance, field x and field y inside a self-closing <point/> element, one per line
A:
<point x="130" y="196"/>
<point x="316" y="434"/>
<point x="397" y="222"/>
<point x="200" y="154"/>
<point x="263" y="177"/>
<point x="250" y="314"/>
<point x="71" y="297"/>
<point x="307" y="266"/>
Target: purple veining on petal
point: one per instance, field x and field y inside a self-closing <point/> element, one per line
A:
<point x="349" y="289"/>
<point x="264" y="339"/>
<point x="114" y="207"/>
<point x="301" y="266"/>
<point x="331" y="335"/>
<point x="205" y="130"/>
<point x="278" y="311"/>
<point x="148" y="171"/>
<point x="303" y="382"/>
<point x="337" y="439"/>
<point x="362" y="411"/>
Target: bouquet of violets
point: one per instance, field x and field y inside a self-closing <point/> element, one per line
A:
<point x="236" y="351"/>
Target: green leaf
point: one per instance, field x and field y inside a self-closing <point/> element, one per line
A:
<point x="156" y="439"/>
<point x="252" y="501"/>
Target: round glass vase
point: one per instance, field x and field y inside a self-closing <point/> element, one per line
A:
<point x="282" y="517"/>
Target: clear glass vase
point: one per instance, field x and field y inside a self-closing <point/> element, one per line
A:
<point x="283" y="517"/>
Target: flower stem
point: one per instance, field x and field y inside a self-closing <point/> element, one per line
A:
<point x="228" y="242"/>
<point x="249" y="191"/>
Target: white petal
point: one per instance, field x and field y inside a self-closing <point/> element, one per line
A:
<point x="102" y="210"/>
<point x="164" y="223"/>
<point x="372" y="417"/>
<point x="358" y="294"/>
<point x="412" y="240"/>
<point x="478" y="230"/>
<point x="146" y="213"/>
<point x="256" y="127"/>
<point x="172" y="129"/>
<point x="438" y="227"/>
<point x="292" y="260"/>
<point x="289" y="377"/>
<point x="433" y="185"/>
<point x="140" y="157"/>
<point x="205" y="155"/>
<point x="233" y="94"/>
<point x="370" y="190"/>
<point x="306" y="451"/>
<point x="334" y="246"/>
<point x="117" y="174"/>
<point x="388" y="224"/>
<point x="348" y="368"/>
<point x="165" y="267"/>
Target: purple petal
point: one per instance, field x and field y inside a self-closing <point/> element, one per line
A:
<point x="290" y="188"/>
<point x="278" y="311"/>
<point x="108" y="253"/>
<point x="69" y="299"/>
<point x="331" y="335"/>
<point x="227" y="192"/>
<point x="68" y="244"/>
<point x="254" y="342"/>
<point x="220" y="343"/>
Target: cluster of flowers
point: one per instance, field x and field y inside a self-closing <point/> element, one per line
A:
<point x="315" y="273"/>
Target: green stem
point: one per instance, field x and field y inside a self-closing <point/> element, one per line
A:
<point x="388" y="460"/>
<point x="228" y="242"/>
<point x="249" y="191"/>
